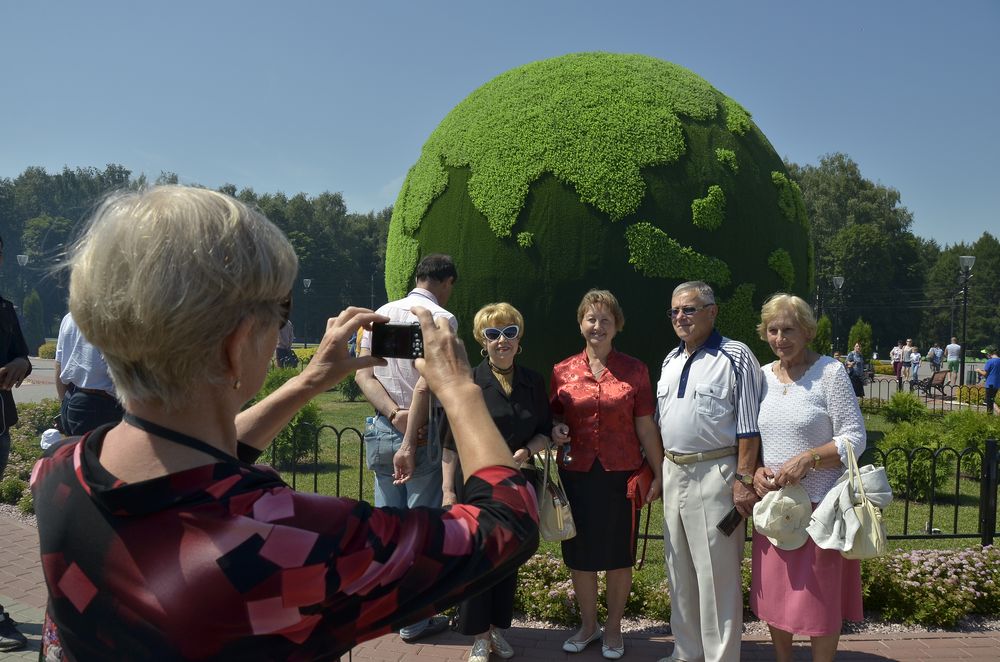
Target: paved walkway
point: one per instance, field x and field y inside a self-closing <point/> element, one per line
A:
<point x="22" y="592"/>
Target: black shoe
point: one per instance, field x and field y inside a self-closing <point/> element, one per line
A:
<point x="435" y="625"/>
<point x="11" y="638"/>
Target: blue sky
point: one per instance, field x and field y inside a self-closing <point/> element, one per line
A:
<point x="314" y="96"/>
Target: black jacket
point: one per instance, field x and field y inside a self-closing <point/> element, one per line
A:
<point x="12" y="346"/>
<point x="519" y="417"/>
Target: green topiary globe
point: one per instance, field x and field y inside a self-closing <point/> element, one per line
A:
<point x="602" y="170"/>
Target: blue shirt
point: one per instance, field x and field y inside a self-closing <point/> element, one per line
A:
<point x="992" y="369"/>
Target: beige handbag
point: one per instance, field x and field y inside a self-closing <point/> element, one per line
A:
<point x="555" y="519"/>
<point x="870" y="540"/>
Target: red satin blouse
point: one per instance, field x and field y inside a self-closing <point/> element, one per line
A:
<point x="601" y="412"/>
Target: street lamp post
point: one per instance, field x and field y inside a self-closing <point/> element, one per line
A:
<point x="22" y="261"/>
<point x="838" y="282"/>
<point x="965" y="263"/>
<point x="306" y="282"/>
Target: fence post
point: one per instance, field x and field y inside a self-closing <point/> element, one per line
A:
<point x="988" y="496"/>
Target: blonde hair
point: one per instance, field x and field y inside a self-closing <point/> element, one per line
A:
<point x="782" y="304"/>
<point x="160" y="277"/>
<point x="601" y="298"/>
<point x="499" y="315"/>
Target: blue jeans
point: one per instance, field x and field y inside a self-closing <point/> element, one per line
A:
<point x="82" y="412"/>
<point x="382" y="440"/>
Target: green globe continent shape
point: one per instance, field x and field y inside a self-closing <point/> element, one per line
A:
<point x="605" y="170"/>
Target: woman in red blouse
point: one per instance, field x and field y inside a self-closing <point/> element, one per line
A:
<point x="603" y="406"/>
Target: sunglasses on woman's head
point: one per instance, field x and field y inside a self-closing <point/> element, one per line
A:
<point x="509" y="332"/>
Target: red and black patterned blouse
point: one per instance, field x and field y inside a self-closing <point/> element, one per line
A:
<point x="601" y="411"/>
<point x="225" y="561"/>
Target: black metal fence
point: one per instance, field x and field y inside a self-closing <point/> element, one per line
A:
<point x="302" y="465"/>
<point x="936" y="397"/>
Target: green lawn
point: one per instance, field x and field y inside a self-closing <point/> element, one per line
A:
<point x="347" y="476"/>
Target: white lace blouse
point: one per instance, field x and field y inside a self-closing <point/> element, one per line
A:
<point x="807" y="413"/>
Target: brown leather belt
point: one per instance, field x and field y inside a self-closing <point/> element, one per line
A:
<point x="691" y="458"/>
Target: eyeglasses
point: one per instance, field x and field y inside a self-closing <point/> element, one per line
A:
<point x="285" y="306"/>
<point x="509" y="332"/>
<point x="687" y="310"/>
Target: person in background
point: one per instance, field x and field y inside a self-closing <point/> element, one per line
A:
<point x="935" y="355"/>
<point x="517" y="400"/>
<point x="406" y="474"/>
<point x="84" y="386"/>
<point x="164" y="541"/>
<point x="14" y="367"/>
<point x="603" y="406"/>
<point x="809" y="421"/>
<point x="991" y="371"/>
<point x="953" y="354"/>
<point x="283" y="354"/>
<point x="896" y="355"/>
<point x="856" y="370"/>
<point x="914" y="363"/>
<point x="907" y="364"/>
<point x="707" y="399"/>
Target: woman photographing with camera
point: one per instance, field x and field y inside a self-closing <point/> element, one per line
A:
<point x="160" y="539"/>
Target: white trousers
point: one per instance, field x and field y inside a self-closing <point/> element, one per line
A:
<point x="703" y="564"/>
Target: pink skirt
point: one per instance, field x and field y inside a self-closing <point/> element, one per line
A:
<point x="808" y="591"/>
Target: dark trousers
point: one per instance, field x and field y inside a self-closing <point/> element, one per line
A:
<point x="82" y="412"/>
<point x="494" y="606"/>
<point x="991" y="396"/>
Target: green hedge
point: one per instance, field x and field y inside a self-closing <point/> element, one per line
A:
<point x="47" y="350"/>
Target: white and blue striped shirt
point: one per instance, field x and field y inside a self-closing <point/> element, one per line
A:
<point x="710" y="399"/>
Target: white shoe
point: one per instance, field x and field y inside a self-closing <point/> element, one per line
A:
<point x="500" y="645"/>
<point x="480" y="651"/>
<point x="574" y="646"/>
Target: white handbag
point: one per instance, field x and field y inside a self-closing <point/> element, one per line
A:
<point x="870" y="540"/>
<point x="555" y="519"/>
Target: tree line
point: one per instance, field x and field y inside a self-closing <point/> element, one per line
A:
<point x="341" y="254"/>
<point x="902" y="285"/>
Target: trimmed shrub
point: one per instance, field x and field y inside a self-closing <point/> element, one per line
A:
<point x="933" y="588"/>
<point x="26" y="504"/>
<point x="305" y="355"/>
<point x="47" y="350"/>
<point x="909" y="448"/>
<point x="545" y="590"/>
<point x="11" y="489"/>
<point x="349" y="388"/>
<point x="824" y="335"/>
<point x="294" y="443"/>
<point x="904" y="406"/>
<point x="883" y="369"/>
<point x="970" y="429"/>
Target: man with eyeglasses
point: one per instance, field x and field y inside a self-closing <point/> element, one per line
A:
<point x="707" y="402"/>
<point x="405" y="475"/>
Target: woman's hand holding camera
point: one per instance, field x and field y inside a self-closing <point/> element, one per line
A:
<point x="331" y="362"/>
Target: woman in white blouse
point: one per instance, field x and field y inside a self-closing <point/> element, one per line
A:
<point x="809" y="420"/>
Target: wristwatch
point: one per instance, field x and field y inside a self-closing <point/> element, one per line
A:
<point x="745" y="479"/>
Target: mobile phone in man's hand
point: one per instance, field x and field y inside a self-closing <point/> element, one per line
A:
<point x="729" y="523"/>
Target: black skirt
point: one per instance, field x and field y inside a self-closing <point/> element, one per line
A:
<point x="603" y="516"/>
